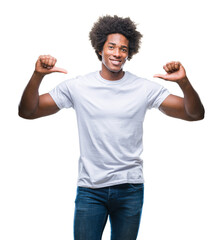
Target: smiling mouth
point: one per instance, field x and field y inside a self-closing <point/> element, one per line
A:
<point x="115" y="62"/>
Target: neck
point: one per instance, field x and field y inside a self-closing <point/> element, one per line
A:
<point x="111" y="76"/>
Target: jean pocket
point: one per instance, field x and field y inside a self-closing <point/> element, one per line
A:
<point x="136" y="186"/>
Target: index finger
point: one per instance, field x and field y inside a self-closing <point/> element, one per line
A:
<point x="176" y="65"/>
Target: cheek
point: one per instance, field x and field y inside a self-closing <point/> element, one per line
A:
<point x="126" y="58"/>
<point x="104" y="57"/>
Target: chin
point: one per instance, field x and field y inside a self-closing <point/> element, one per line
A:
<point x="115" y="70"/>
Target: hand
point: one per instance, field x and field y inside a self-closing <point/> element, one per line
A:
<point x="46" y="64"/>
<point x="175" y="72"/>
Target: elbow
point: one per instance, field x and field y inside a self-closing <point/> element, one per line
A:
<point x="24" y="115"/>
<point x="201" y="115"/>
<point x="20" y="114"/>
<point x="198" y="117"/>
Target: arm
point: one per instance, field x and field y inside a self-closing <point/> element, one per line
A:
<point x="32" y="105"/>
<point x="188" y="108"/>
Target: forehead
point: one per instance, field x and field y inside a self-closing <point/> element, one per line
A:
<point x="118" y="39"/>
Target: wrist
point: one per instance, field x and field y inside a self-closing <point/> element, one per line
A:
<point x="184" y="82"/>
<point x="38" y="75"/>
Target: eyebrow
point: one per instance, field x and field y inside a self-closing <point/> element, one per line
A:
<point x="123" y="46"/>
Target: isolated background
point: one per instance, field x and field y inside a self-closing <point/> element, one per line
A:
<point x="182" y="160"/>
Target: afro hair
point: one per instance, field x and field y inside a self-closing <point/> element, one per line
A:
<point x="108" y="25"/>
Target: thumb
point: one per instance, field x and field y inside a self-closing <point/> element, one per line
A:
<point x="56" y="69"/>
<point x="160" y="76"/>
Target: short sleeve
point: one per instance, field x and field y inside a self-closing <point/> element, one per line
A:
<point x="61" y="95"/>
<point x="156" y="95"/>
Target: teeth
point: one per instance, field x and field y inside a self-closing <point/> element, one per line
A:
<point x="116" y="62"/>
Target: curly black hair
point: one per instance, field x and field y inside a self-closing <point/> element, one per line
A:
<point x="107" y="25"/>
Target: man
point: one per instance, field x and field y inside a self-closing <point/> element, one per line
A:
<point x="110" y="105"/>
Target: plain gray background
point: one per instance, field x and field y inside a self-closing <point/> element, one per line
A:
<point x="182" y="160"/>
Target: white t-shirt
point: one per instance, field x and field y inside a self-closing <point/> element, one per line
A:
<point x="110" y="118"/>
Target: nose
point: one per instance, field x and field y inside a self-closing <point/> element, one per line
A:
<point x="116" y="53"/>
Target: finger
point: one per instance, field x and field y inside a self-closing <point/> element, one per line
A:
<point x="45" y="58"/>
<point x="51" y="62"/>
<point x="47" y="61"/>
<point x="176" y="66"/>
<point x="43" y="61"/>
<point x="42" y="58"/>
<point x="160" y="76"/>
<point x="167" y="68"/>
<point x="61" y="70"/>
<point x="54" y="61"/>
<point x="171" y="67"/>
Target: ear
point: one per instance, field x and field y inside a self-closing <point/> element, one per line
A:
<point x="100" y="53"/>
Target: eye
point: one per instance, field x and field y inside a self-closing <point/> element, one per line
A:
<point x="110" y="47"/>
<point x="124" y="50"/>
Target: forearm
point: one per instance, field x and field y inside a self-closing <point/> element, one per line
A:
<point x="30" y="98"/>
<point x="192" y="103"/>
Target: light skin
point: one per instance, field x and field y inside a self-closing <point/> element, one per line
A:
<point x="114" y="56"/>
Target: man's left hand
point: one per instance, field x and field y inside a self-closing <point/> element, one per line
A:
<point x="175" y="72"/>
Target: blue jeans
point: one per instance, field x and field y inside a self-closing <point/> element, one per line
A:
<point x="122" y="203"/>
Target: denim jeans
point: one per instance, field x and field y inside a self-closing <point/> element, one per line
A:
<point x="122" y="203"/>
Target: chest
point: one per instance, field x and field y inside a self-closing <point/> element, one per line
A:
<point x="111" y="102"/>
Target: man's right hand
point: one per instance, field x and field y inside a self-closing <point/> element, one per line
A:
<point x="46" y="64"/>
<point x="32" y="105"/>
